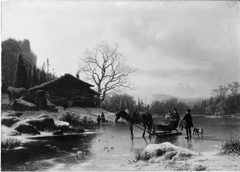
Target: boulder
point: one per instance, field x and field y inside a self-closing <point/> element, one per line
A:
<point x="6" y="131"/>
<point x="25" y="128"/>
<point x="62" y="125"/>
<point x="22" y="105"/>
<point x="41" y="124"/>
<point x="167" y="150"/>
<point x="9" y="120"/>
<point x="16" y="93"/>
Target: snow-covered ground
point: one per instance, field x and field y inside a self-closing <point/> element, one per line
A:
<point x="179" y="159"/>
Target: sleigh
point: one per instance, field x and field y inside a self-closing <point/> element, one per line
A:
<point x="166" y="129"/>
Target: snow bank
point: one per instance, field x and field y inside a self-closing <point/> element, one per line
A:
<point x="166" y="156"/>
<point x="167" y="151"/>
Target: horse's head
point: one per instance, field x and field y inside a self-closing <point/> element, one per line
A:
<point x="120" y="114"/>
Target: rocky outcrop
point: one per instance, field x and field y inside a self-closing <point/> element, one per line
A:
<point x="27" y="52"/>
<point x="62" y="125"/>
<point x="9" y="120"/>
<point x="41" y="124"/>
<point x="22" y="105"/>
<point x="25" y="128"/>
<point x="16" y="93"/>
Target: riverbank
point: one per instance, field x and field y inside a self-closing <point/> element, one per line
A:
<point x="7" y="132"/>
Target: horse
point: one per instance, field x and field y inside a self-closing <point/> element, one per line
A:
<point x="132" y="118"/>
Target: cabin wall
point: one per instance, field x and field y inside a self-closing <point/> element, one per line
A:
<point x="79" y="95"/>
<point x="69" y="88"/>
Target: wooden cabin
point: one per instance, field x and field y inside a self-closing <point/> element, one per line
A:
<point x="70" y="88"/>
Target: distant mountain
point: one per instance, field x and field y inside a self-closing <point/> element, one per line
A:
<point x="161" y="97"/>
<point x="190" y="101"/>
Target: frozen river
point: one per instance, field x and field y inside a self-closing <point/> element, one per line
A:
<point x="111" y="146"/>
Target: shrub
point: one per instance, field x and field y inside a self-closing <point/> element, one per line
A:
<point x="10" y="143"/>
<point x="71" y="118"/>
<point x="75" y="120"/>
<point x="232" y="145"/>
<point x="84" y="120"/>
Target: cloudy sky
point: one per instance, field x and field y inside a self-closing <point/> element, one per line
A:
<point x="180" y="48"/>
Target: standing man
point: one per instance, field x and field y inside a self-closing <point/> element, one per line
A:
<point x="188" y="123"/>
<point x="98" y="120"/>
<point x="103" y="117"/>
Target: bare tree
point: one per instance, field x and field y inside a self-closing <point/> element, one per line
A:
<point x="107" y="68"/>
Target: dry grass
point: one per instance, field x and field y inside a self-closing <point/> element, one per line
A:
<point x="136" y="158"/>
<point x="10" y="143"/>
<point x="232" y="145"/>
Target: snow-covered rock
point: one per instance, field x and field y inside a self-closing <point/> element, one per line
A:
<point x="22" y="105"/>
<point x="26" y="128"/>
<point x="61" y="125"/>
<point x="41" y="124"/>
<point x="9" y="120"/>
<point x="167" y="150"/>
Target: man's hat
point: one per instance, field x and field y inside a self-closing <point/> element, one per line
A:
<point x="189" y="110"/>
<point x="175" y="109"/>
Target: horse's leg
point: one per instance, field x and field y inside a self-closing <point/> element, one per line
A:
<point x="153" y="128"/>
<point x="144" y="130"/>
<point x="131" y="130"/>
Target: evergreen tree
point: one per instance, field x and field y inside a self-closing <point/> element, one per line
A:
<point x="34" y="77"/>
<point x="47" y="64"/>
<point x="29" y="73"/>
<point x="42" y="77"/>
<point x="20" y="77"/>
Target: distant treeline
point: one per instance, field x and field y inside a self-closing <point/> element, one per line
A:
<point x="124" y="101"/>
<point x="34" y="75"/>
<point x="224" y="100"/>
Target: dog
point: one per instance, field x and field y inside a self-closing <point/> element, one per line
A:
<point x="197" y="131"/>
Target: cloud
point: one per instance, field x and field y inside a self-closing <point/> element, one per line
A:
<point x="202" y="40"/>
